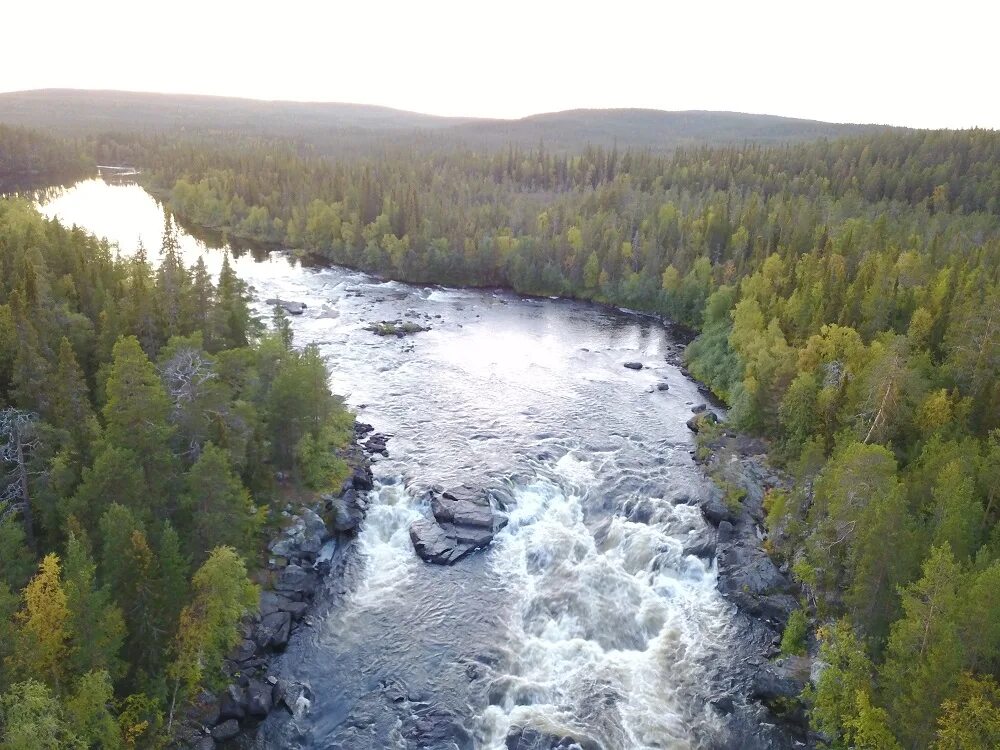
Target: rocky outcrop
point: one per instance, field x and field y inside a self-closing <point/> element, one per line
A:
<point x="292" y="308"/>
<point x="762" y="711"/>
<point x="298" y="561"/>
<point x="463" y="520"/>
<point x="304" y="536"/>
<point x="397" y="328"/>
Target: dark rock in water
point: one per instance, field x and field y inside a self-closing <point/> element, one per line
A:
<point x="640" y="511"/>
<point x="274" y="630"/>
<point x="258" y="698"/>
<point x="662" y="387"/>
<point x="529" y="738"/>
<point x="433" y="545"/>
<point x="292" y="308"/>
<point x="724" y="704"/>
<point x="633" y="365"/>
<point x="698" y="420"/>
<point x="699" y="408"/>
<point x="362" y="428"/>
<point x="361" y="479"/>
<point x="231" y="704"/>
<point x="704" y="549"/>
<point x="461" y="506"/>
<point x="463" y="521"/>
<point x="348" y="512"/>
<point x="227" y="730"/>
<point x="377" y="444"/>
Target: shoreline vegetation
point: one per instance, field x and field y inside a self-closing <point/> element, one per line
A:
<point x="847" y="298"/>
<point x="153" y="435"/>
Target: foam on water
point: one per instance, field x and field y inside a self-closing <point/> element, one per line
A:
<point x="608" y="637"/>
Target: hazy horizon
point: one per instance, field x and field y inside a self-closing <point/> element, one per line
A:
<point x="431" y="114"/>
<point x="890" y="63"/>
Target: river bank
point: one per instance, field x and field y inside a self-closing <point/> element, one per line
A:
<point x="304" y="555"/>
<point x="763" y="709"/>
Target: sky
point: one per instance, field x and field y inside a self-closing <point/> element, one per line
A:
<point x="915" y="63"/>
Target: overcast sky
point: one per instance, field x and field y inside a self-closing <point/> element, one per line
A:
<point x="911" y="63"/>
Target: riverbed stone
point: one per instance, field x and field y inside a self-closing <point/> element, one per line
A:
<point x="259" y="698"/>
<point x="296" y="580"/>
<point x="227" y="730"/>
<point x="231" y="704"/>
<point x="633" y="365"/>
<point x="274" y="630"/>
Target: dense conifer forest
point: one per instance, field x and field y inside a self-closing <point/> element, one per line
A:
<point x="847" y="299"/>
<point x="144" y="415"/>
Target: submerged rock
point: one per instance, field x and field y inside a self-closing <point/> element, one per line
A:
<point x="530" y="738"/>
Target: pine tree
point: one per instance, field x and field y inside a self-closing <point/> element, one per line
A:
<point x="216" y="506"/>
<point x="137" y="415"/>
<point x="95" y="622"/>
<point x="924" y="653"/>
<point x="71" y="409"/>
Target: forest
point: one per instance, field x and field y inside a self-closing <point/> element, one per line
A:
<point x="146" y="418"/>
<point x="846" y="294"/>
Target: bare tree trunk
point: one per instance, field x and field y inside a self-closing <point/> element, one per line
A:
<point x="22" y="476"/>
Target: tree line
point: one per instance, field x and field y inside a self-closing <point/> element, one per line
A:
<point x="144" y="415"/>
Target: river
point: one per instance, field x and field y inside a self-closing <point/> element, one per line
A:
<point x="576" y="620"/>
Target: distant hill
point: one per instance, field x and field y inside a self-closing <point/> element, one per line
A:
<point x="327" y="124"/>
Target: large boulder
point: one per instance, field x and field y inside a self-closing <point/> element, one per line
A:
<point x="259" y="698"/>
<point x="715" y="510"/>
<point x="225" y="731"/>
<point x="231" y="704"/>
<point x="274" y="630"/>
<point x="303" y="537"/>
<point x="462" y="506"/>
<point x="781" y="680"/>
<point x="292" y="308"/>
<point x="296" y="582"/>
<point x="698" y="422"/>
<point x="750" y="579"/>
<point x="463" y="521"/>
<point x="348" y="510"/>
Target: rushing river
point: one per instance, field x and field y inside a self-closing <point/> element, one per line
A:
<point x="576" y="620"/>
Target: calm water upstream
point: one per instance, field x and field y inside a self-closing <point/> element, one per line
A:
<point x="576" y="620"/>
